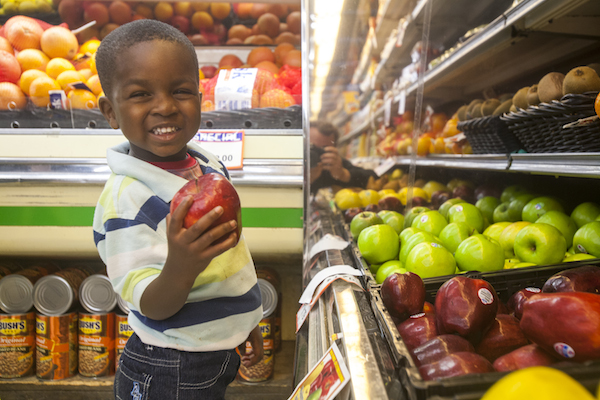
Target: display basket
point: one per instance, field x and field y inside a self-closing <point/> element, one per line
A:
<point x="473" y="386"/>
<point x="489" y="135"/>
<point x="542" y="129"/>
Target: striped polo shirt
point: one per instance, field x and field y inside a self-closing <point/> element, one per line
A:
<point x="224" y="304"/>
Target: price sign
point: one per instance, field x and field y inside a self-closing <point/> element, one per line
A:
<point x="234" y="89"/>
<point x="228" y="146"/>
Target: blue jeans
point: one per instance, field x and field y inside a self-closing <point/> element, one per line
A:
<point x="155" y="373"/>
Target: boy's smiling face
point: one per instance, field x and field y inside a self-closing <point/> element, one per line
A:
<point x="155" y="100"/>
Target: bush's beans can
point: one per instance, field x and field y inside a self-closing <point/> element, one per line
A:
<point x="96" y="294"/>
<point x="96" y="344"/>
<point x="17" y="345"/>
<point x="263" y="370"/>
<point x="57" y="293"/>
<point x="272" y="277"/>
<point x="56" y="345"/>
<point x="123" y="333"/>
<point x="16" y="289"/>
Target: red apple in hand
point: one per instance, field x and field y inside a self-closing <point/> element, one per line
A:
<point x="209" y="191"/>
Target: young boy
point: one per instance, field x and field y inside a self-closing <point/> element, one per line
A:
<point x="192" y="301"/>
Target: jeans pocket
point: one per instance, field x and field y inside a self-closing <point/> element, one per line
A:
<point x="131" y="385"/>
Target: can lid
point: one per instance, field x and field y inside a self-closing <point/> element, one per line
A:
<point x="269" y="297"/>
<point x="96" y="294"/>
<point x="16" y="294"/>
<point x="52" y="295"/>
<point x="122" y="304"/>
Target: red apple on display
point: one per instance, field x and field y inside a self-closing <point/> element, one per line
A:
<point x="363" y="220"/>
<point x="478" y="253"/>
<point x="465" y="306"/>
<point x="378" y="243"/>
<point x="487" y="205"/>
<point x="464" y="192"/>
<point x="585" y="213"/>
<point x="580" y="279"/>
<point x="429" y="259"/>
<point x="413" y="240"/>
<point x="565" y="324"/>
<point x="391" y="203"/>
<point x="468" y="214"/>
<point x="443" y="209"/>
<point x="403" y="294"/>
<point x="495" y="230"/>
<point x="541" y="244"/>
<point x="412" y="213"/>
<point x="440" y="197"/>
<point x="502" y="337"/>
<point x="388" y="268"/>
<point x="530" y="355"/>
<point x="540" y="206"/>
<point x="508" y="235"/>
<point x="587" y="239"/>
<point x="511" y="192"/>
<point x="486" y="190"/>
<point x="440" y="346"/>
<point x="453" y="235"/>
<point x="393" y="219"/>
<point x="417" y="329"/>
<point x="430" y="221"/>
<point x="351" y="213"/>
<point x="372" y="208"/>
<point x="456" y="364"/>
<point x="209" y="71"/>
<point x="209" y="191"/>
<point x="433" y="186"/>
<point x="516" y="301"/>
<point x="562" y="222"/>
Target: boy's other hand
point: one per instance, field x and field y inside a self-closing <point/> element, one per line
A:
<point x="250" y="358"/>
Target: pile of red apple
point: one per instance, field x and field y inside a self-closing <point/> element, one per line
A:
<point x="470" y="330"/>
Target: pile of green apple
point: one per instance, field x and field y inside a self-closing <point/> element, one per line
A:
<point x="516" y="229"/>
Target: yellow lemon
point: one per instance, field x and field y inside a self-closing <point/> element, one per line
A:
<point x="39" y="88"/>
<point x="347" y="198"/>
<point x="90" y="46"/>
<point x="94" y="84"/>
<point x="58" y="65"/>
<point x="82" y="99"/>
<point x="537" y="383"/>
<point x="28" y="76"/>
<point x="383" y="192"/>
<point x="433" y="186"/>
<point x="32" y="59"/>
<point x="67" y="77"/>
<point x="86" y="72"/>
<point x="416" y="192"/>
<point x="368" y="196"/>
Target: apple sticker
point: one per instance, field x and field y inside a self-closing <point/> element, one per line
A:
<point x="419" y="315"/>
<point x="533" y="289"/>
<point x="459" y="208"/>
<point x="424" y="218"/>
<point x="538" y="206"/>
<point x="564" y="350"/>
<point x="485" y="296"/>
<point x="439" y="246"/>
<point x="581" y="249"/>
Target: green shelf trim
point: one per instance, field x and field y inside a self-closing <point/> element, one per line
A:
<point x="83" y="216"/>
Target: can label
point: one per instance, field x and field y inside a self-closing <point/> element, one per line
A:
<point x="17" y="341"/>
<point x="56" y="346"/>
<point x="263" y="370"/>
<point x="123" y="333"/>
<point x="96" y="344"/>
<point x="273" y="277"/>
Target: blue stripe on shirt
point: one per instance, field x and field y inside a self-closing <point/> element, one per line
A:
<point x="98" y="237"/>
<point x="206" y="311"/>
<point x="153" y="211"/>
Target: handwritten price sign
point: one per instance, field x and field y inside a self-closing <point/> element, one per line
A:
<point x="234" y="89"/>
<point x="228" y="146"/>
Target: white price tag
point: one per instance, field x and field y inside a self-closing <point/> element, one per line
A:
<point x="385" y="166"/>
<point x="323" y="275"/>
<point x="234" y="89"/>
<point x="387" y="111"/>
<point x="328" y="242"/>
<point x="228" y="146"/>
<point x="401" y="102"/>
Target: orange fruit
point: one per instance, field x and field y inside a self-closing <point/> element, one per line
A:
<point x="94" y="84"/>
<point x="81" y="61"/>
<point x="183" y="8"/>
<point x="200" y="74"/>
<point x="276" y="98"/>
<point x="207" y="105"/>
<point x="200" y="6"/>
<point x="597" y="104"/>
<point x="269" y="66"/>
<point x="244" y="10"/>
<point x="423" y="145"/>
<point x="24" y="33"/>
<point x="92" y="64"/>
<point x="293" y="58"/>
<point x="67" y="77"/>
<point x="96" y="11"/>
<point x="82" y="99"/>
<point x="32" y="59"/>
<point x="163" y="11"/>
<point x="220" y="10"/>
<point x="10" y="70"/>
<point x="144" y="11"/>
<point x="58" y="65"/>
<point x="59" y="42"/>
<point x="281" y="50"/>
<point x="230" y="60"/>
<point x="90" y="46"/>
<point x="259" y="54"/>
<point x="120" y="12"/>
<point x="39" y="88"/>
<point x="11" y="97"/>
<point x="202" y="20"/>
<point x="27" y="77"/>
<point x="86" y="72"/>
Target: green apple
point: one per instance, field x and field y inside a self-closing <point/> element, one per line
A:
<point x="493" y="231"/>
<point x="571" y="250"/>
<point x="515" y="207"/>
<point x="509" y="193"/>
<point x="585" y="212"/>
<point x="500" y="213"/>
<point x="430" y="221"/>
<point x="478" y="253"/>
<point x="487" y="205"/>
<point x="587" y="239"/>
<point x="467" y="213"/>
<point x="449" y="203"/>
<point x="522" y="265"/>
<point x="539" y="206"/>
<point x="508" y="235"/>
<point x="414" y="240"/>
<point x="429" y="259"/>
<point x="562" y="222"/>
<point x="373" y="268"/>
<point x="378" y="243"/>
<point x="363" y="220"/>
<point x="541" y="244"/>
<point x="407" y="233"/>
<point x="578" y="257"/>
<point x="511" y="262"/>
<point x="411" y="214"/>
<point x="453" y="234"/>
<point x="388" y="268"/>
<point x="393" y="219"/>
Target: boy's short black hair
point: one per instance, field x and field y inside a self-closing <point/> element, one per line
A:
<point x="130" y="34"/>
